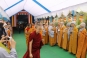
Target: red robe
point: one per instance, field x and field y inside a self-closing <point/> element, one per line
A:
<point x="36" y="45"/>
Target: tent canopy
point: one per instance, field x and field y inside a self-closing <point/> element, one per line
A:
<point x="36" y="7"/>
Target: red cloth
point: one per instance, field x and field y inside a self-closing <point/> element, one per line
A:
<point x="36" y="45"/>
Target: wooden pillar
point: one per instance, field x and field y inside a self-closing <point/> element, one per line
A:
<point x="28" y="18"/>
<point x="15" y="18"/>
<point x="31" y="18"/>
<point x="12" y="21"/>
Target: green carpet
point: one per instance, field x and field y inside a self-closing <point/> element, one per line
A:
<point x="46" y="52"/>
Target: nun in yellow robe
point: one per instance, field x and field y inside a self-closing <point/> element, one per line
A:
<point x="46" y="28"/>
<point x="73" y="31"/>
<point x="44" y="34"/>
<point x="81" y="40"/>
<point x="60" y="31"/>
<point x="51" y="34"/>
<point x="84" y="50"/>
<point x="65" y="37"/>
<point x="55" y="35"/>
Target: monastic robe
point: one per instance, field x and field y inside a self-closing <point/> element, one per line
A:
<point x="55" y="36"/>
<point x="73" y="41"/>
<point x="27" y="34"/>
<point x="60" y="38"/>
<point x="46" y="35"/>
<point x="51" y="35"/>
<point x="81" y="40"/>
<point x="36" y="45"/>
<point x="65" y="39"/>
<point x="84" y="50"/>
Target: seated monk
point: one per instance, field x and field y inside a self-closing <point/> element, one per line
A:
<point x="81" y="40"/>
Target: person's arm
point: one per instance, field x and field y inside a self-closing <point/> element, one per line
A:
<point x="30" y="45"/>
<point x="30" y="48"/>
<point x="5" y="54"/>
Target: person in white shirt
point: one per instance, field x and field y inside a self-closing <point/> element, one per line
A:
<point x="3" y="51"/>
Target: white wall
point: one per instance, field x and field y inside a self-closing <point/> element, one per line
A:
<point x="82" y="7"/>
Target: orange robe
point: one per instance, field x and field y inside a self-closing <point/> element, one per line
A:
<point x="65" y="39"/>
<point x="73" y="41"/>
<point x="60" y="36"/>
<point x="81" y="40"/>
<point x="46" y="36"/>
<point x="55" y="36"/>
<point x="52" y="40"/>
<point x="84" y="50"/>
<point x="27" y="35"/>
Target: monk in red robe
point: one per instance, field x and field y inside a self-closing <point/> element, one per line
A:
<point x="34" y="44"/>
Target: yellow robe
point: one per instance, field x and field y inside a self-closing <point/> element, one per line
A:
<point x="73" y="41"/>
<point x="52" y="40"/>
<point x="55" y="36"/>
<point x="60" y="36"/>
<point x="46" y="36"/>
<point x="65" y="39"/>
<point x="81" y="40"/>
<point x="84" y="50"/>
<point x="27" y="36"/>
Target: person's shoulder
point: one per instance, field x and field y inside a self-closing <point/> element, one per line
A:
<point x="1" y="49"/>
<point x="33" y="33"/>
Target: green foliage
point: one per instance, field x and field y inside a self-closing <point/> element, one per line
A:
<point x="56" y="24"/>
<point x="85" y="19"/>
<point x="77" y="19"/>
<point x="56" y="16"/>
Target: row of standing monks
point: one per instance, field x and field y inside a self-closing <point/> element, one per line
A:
<point x="68" y="37"/>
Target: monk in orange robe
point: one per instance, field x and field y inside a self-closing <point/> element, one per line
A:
<point x="60" y="31"/>
<point x="65" y="37"/>
<point x="46" y="28"/>
<point x="81" y="41"/>
<point x="35" y="44"/>
<point x="27" y="33"/>
<point x="44" y="34"/>
<point x="84" y="50"/>
<point x="73" y="31"/>
<point x="51" y="34"/>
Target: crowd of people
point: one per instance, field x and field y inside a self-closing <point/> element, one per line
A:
<point x="68" y="37"/>
<point x="7" y="43"/>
